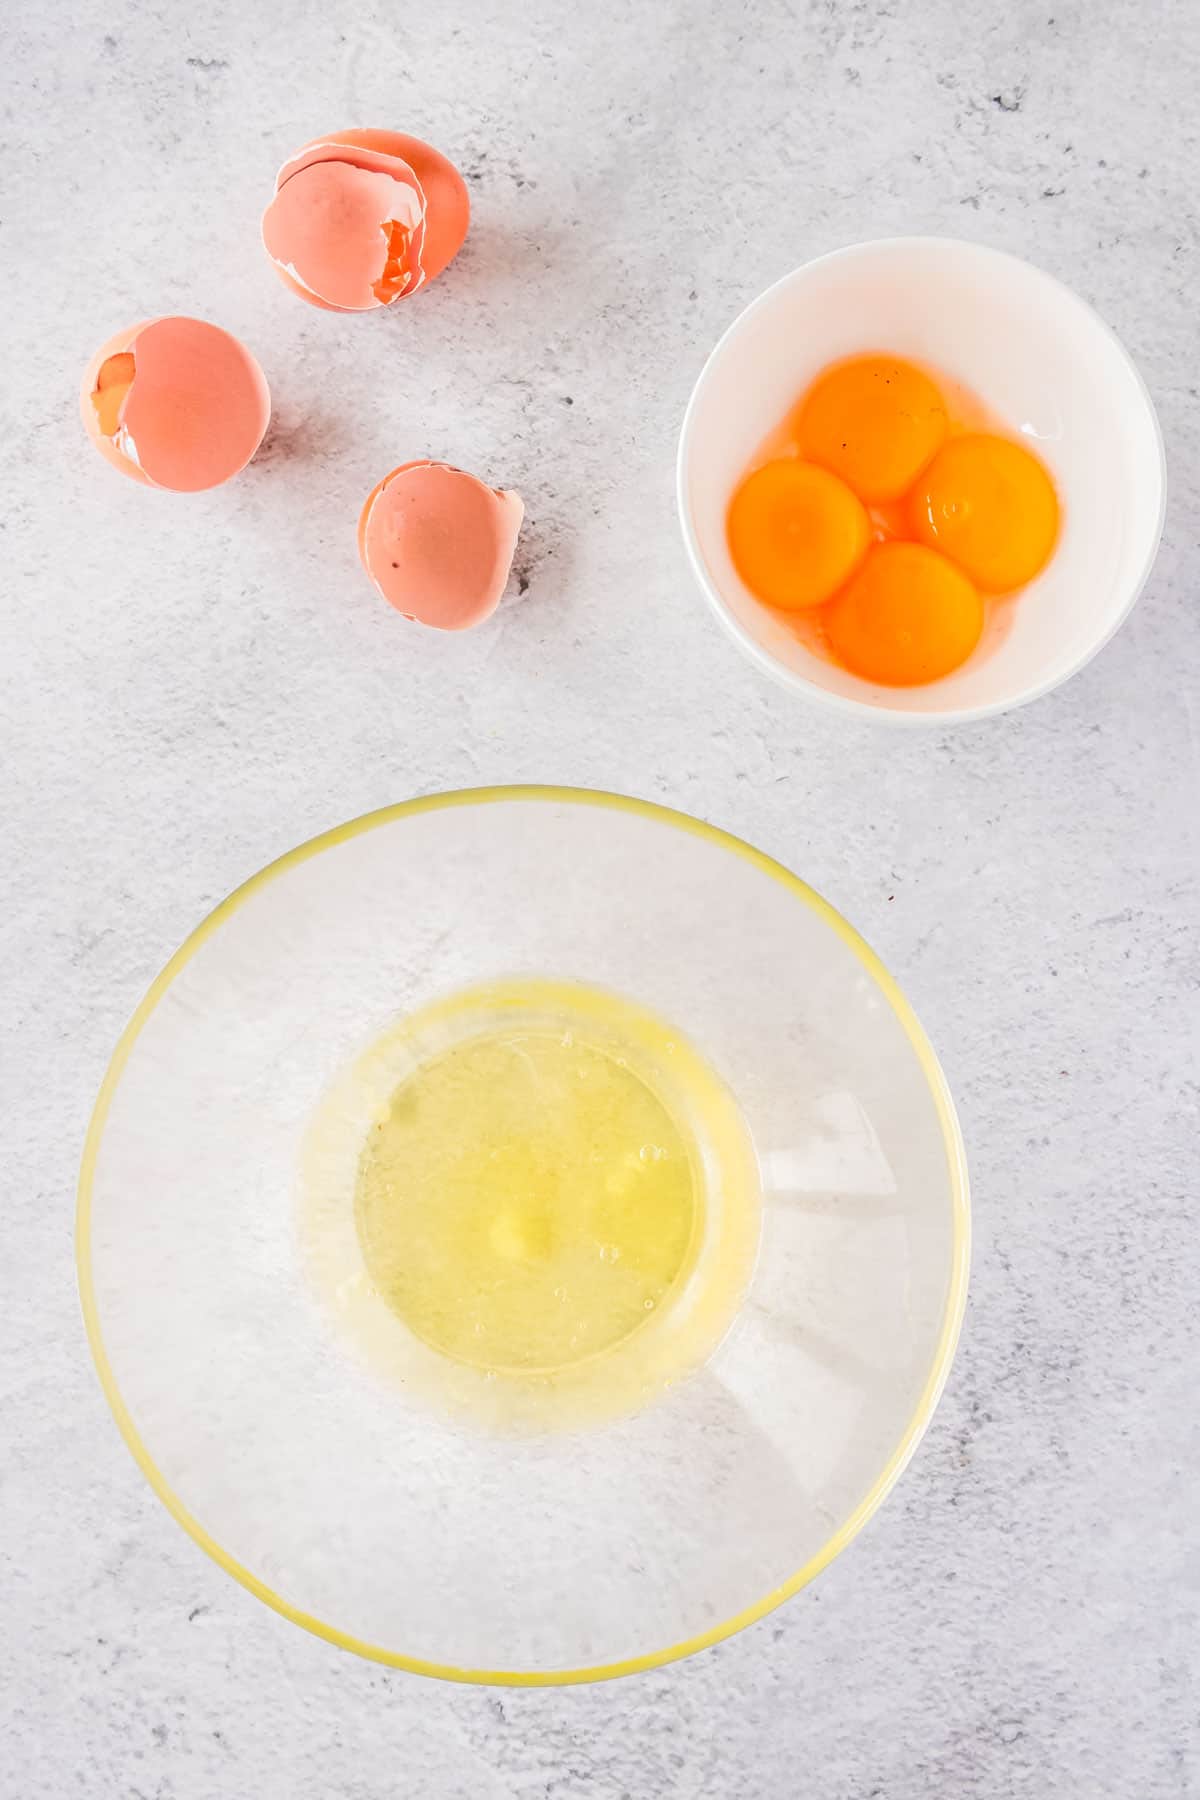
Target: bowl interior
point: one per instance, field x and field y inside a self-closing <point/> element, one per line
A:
<point x="1036" y="356"/>
<point x="353" y="1506"/>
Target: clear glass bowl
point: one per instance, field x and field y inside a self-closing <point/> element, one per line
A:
<point x="419" y="1538"/>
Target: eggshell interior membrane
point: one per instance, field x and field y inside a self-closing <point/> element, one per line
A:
<point x="362" y="218"/>
<point x="175" y="403"/>
<point x="438" y="543"/>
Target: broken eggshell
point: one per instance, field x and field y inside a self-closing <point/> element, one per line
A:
<point x="175" y="403"/>
<point x="363" y="218"/>
<point x="438" y="543"/>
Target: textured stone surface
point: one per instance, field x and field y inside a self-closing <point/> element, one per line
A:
<point x="194" y="684"/>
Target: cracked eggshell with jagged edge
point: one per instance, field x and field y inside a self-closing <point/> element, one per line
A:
<point x="438" y="543"/>
<point x="364" y="218"/>
<point x="175" y="403"/>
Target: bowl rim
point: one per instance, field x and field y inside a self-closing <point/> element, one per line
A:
<point x="846" y="704"/>
<point x="959" y="1249"/>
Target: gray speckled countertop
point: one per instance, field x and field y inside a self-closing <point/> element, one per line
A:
<point x="190" y="687"/>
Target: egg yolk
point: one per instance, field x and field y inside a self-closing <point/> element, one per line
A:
<point x="989" y="504"/>
<point x="113" y="382"/>
<point x="908" y="616"/>
<point x="796" y="533"/>
<point x="875" y="421"/>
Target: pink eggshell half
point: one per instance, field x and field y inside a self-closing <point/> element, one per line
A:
<point x="438" y="543"/>
<point x="196" y="409"/>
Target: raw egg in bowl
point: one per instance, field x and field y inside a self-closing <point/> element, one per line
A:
<point x="493" y="1285"/>
<point x="932" y="379"/>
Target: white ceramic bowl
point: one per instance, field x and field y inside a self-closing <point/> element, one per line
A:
<point x="1037" y="356"/>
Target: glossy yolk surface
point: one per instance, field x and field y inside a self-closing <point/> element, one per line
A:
<point x="988" y="503"/>
<point x="875" y="422"/>
<point x="908" y="616"/>
<point x="113" y="382"/>
<point x="796" y="533"/>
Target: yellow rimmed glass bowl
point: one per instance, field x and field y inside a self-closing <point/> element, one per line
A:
<point x="303" y="1438"/>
